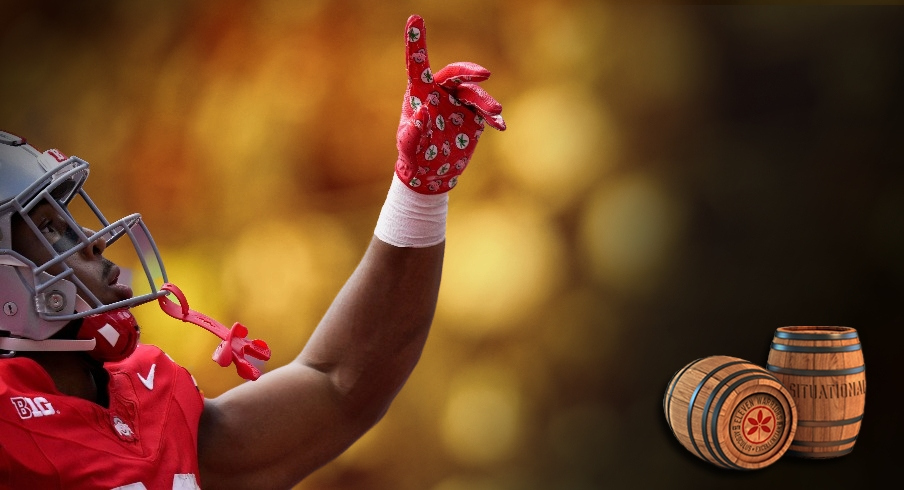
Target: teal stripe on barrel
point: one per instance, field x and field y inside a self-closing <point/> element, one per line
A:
<point x="828" y="423"/>
<point x="816" y="372"/>
<point x="811" y="348"/>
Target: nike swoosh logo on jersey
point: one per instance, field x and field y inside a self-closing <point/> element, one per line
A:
<point x="149" y="381"/>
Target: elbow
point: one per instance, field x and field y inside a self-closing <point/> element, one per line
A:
<point x="364" y="391"/>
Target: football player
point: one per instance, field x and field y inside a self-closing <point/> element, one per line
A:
<point x="85" y="405"/>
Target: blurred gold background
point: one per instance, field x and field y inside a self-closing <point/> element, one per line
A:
<point x="675" y="182"/>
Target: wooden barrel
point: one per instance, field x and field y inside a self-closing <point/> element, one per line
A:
<point x="730" y="412"/>
<point x="822" y="368"/>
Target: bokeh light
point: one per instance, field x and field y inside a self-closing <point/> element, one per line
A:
<point x="630" y="227"/>
<point x="569" y="138"/>
<point x="482" y="419"/>
<point x="505" y="257"/>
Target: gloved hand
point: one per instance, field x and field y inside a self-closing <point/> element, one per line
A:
<point x="443" y="116"/>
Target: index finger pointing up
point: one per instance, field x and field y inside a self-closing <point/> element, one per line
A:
<point x="416" y="52"/>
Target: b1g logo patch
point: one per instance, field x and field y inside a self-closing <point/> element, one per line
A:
<point x="757" y="424"/>
<point x="28" y="408"/>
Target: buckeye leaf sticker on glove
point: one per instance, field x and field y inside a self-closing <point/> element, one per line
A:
<point x="443" y="116"/>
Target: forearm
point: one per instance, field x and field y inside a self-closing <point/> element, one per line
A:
<point x="372" y="336"/>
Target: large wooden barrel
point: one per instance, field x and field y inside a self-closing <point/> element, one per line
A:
<point x="730" y="412"/>
<point x="823" y="369"/>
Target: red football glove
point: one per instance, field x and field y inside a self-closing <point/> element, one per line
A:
<point x="443" y="115"/>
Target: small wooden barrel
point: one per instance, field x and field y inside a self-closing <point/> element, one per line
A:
<point x="822" y="368"/>
<point x="730" y="412"/>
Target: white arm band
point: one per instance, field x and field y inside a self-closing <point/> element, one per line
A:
<point x="410" y="219"/>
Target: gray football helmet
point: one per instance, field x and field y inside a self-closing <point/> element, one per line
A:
<point x="37" y="300"/>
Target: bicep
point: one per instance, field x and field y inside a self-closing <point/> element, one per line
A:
<point x="275" y="430"/>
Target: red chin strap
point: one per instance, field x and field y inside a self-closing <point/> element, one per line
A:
<point x="234" y="346"/>
<point x="115" y="333"/>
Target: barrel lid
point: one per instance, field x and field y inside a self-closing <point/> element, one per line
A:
<point x="816" y="333"/>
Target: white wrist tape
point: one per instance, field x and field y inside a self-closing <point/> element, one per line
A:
<point x="411" y="219"/>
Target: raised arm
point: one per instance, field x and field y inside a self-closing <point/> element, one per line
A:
<point x="272" y="432"/>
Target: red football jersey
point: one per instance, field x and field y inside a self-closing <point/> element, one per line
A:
<point x="146" y="438"/>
